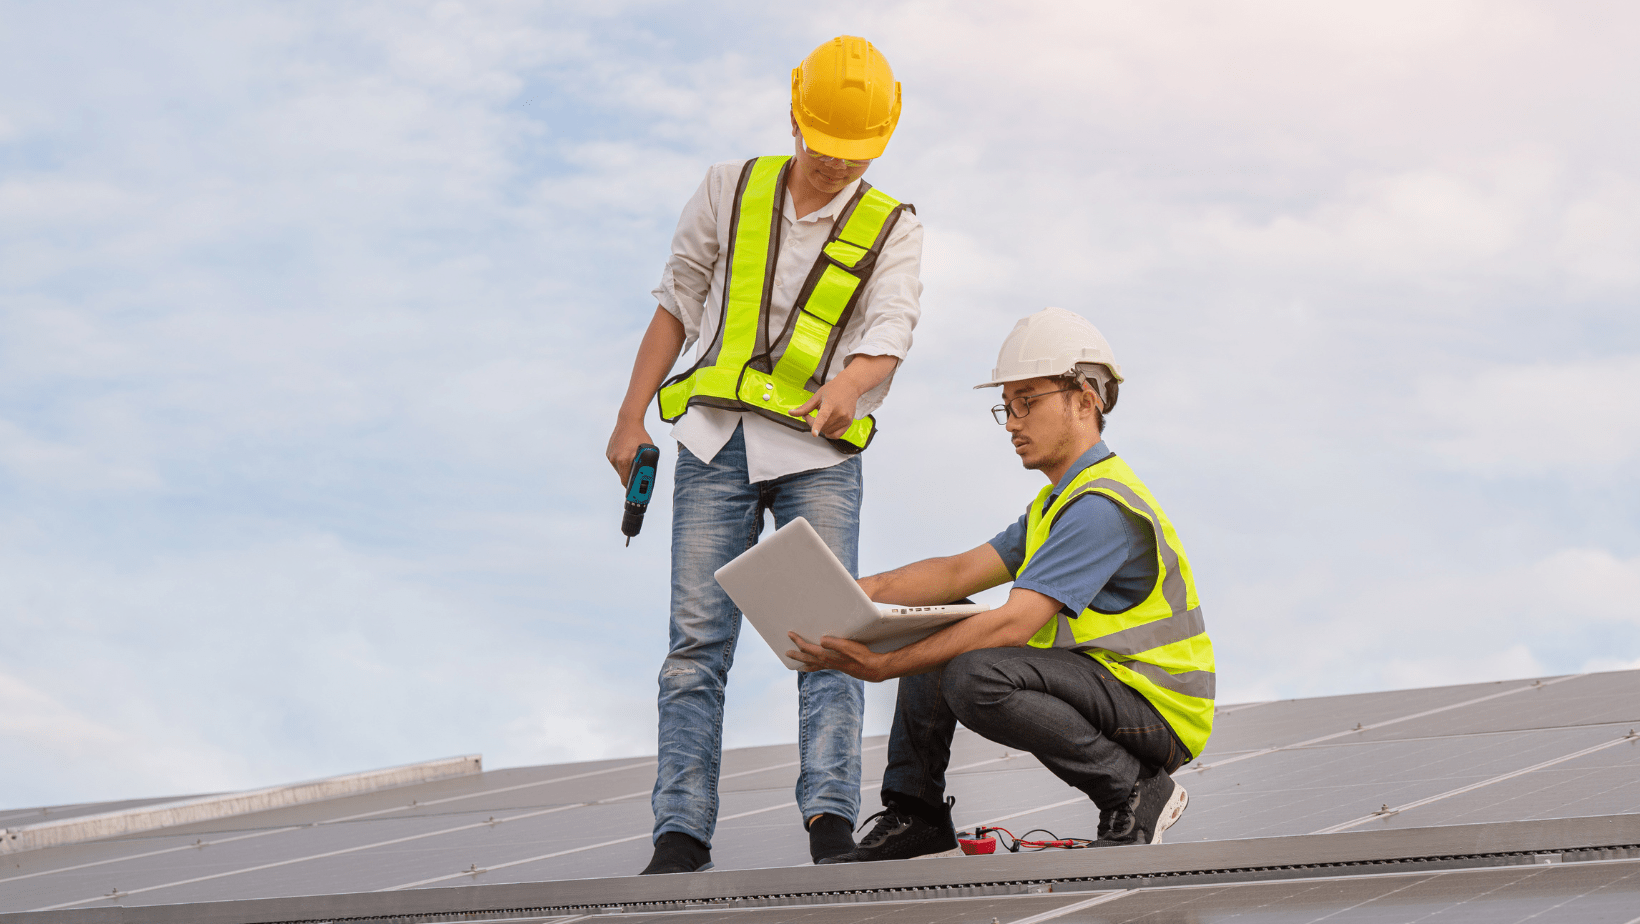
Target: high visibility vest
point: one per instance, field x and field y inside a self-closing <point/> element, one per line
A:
<point x="1160" y="646"/>
<point x="750" y="367"/>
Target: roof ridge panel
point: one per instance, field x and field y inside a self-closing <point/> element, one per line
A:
<point x="204" y="808"/>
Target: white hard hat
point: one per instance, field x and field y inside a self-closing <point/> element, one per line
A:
<point x="1049" y="343"/>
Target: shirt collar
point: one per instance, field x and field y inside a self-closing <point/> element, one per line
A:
<point x="830" y="210"/>
<point x="1097" y="452"/>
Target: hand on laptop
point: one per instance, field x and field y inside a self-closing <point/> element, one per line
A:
<point x="839" y="654"/>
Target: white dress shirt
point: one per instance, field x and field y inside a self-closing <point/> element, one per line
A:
<point x="691" y="289"/>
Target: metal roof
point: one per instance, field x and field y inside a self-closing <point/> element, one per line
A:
<point x="1496" y="798"/>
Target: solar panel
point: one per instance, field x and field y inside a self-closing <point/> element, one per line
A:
<point x="1589" y="699"/>
<point x="1411" y="762"/>
<point x="1571" y="894"/>
<point x="1287" y="722"/>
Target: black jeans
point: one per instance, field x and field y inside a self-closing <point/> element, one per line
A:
<point x="1066" y="709"/>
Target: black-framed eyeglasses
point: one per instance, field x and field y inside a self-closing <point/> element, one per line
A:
<point x="1021" y="405"/>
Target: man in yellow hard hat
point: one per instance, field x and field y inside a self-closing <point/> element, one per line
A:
<point x="798" y="282"/>
<point x="1098" y="663"/>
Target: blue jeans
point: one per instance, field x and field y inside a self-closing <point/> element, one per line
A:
<point x="716" y="515"/>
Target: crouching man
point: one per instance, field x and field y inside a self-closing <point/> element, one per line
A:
<point x="1098" y="664"/>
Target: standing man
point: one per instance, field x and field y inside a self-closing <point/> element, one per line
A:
<point x="1098" y="663"/>
<point x="799" y="283"/>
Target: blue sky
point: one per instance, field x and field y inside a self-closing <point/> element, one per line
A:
<point x="314" y="318"/>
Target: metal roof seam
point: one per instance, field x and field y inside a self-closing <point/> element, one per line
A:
<point x="197" y="845"/>
<point x="630" y="795"/>
<point x="1534" y="685"/>
<point x="631" y="838"/>
<point x="317" y="856"/>
<point x="483" y="792"/>
<point x="327" y="821"/>
<point x="1459" y="735"/>
<point x="1016" y="887"/>
<point x="1072" y="908"/>
<point x="1577" y="840"/>
<point x="1386" y="811"/>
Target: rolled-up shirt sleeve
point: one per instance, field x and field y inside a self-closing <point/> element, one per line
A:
<point x="1010" y="545"/>
<point x="687" y="277"/>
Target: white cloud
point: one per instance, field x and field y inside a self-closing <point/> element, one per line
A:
<point x="1343" y="631"/>
<point x="31" y="716"/>
<point x="1594" y="665"/>
<point x="47" y="201"/>
<point x="1583" y="585"/>
<point x="1600" y="242"/>
<point x="74" y="465"/>
<point x="1400" y="671"/>
<point x="313" y="320"/>
<point x="1536" y="418"/>
<point x="199" y="661"/>
<point x="1401" y="225"/>
<point x="60" y="751"/>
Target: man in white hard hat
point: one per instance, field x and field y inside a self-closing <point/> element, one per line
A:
<point x="1098" y="663"/>
<point x="799" y="282"/>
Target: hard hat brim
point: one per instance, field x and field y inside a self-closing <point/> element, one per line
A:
<point x="1005" y="380"/>
<point x="846" y="148"/>
<point x="1115" y="374"/>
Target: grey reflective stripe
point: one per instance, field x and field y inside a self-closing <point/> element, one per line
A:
<point x="1063" y="637"/>
<point x="1153" y="634"/>
<point x="1200" y="684"/>
<point x="1173" y="589"/>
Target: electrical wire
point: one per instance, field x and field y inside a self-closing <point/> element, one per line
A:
<point x="1015" y="844"/>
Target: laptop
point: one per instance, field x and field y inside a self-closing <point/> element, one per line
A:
<point x="791" y="582"/>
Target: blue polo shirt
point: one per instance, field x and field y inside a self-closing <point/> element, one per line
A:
<point x="1098" y="554"/>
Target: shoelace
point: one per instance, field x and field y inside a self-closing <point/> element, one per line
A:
<point x="892" y="823"/>
<point x="1119" y="821"/>
<point x="1118" y="824"/>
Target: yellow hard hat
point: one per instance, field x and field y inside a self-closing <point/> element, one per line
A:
<point x="845" y="99"/>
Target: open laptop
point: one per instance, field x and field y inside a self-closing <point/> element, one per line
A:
<point x="791" y="582"/>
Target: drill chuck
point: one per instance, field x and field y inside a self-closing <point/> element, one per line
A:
<point x="640" y="486"/>
<point x="632" y="519"/>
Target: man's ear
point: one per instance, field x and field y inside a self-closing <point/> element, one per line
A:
<point x="794" y="122"/>
<point x="1092" y="396"/>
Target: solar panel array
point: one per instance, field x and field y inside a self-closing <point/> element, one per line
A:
<point x="1412" y="761"/>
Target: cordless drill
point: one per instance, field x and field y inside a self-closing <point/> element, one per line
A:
<point x="640" y="485"/>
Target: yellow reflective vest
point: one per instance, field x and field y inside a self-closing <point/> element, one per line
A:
<point x="1160" y="646"/>
<point x="752" y="367"/>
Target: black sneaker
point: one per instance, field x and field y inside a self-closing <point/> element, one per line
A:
<point x="676" y="852"/>
<point x="1116" y="824"/>
<point x="1156" y="803"/>
<point x="829" y="836"/>
<point x="901" y="834"/>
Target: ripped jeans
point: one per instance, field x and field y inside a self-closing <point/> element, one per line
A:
<point x="716" y="515"/>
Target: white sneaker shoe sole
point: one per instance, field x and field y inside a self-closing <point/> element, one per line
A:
<point x="1171" y="811"/>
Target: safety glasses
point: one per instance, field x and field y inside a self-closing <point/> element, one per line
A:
<point x="830" y="160"/>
